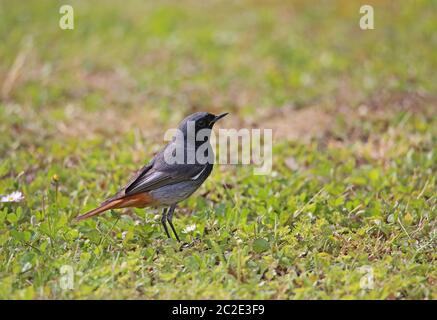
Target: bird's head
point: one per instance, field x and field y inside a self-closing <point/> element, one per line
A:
<point x="199" y="121"/>
<point x="193" y="134"/>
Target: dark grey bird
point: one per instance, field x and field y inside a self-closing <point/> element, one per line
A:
<point x="172" y="175"/>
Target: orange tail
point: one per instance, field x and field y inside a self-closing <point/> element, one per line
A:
<point x="105" y="207"/>
<point x="138" y="200"/>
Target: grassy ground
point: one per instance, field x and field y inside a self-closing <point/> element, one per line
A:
<point x="354" y="165"/>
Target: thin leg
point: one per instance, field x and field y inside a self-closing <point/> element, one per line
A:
<point x="163" y="221"/>
<point x="170" y="221"/>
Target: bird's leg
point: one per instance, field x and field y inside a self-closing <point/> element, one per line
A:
<point x="163" y="221"/>
<point x="170" y="220"/>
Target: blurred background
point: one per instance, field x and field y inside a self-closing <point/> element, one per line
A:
<point x="141" y="64"/>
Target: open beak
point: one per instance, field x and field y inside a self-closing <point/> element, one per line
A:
<point x="217" y="118"/>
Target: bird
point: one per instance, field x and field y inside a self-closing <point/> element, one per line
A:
<point x="169" y="177"/>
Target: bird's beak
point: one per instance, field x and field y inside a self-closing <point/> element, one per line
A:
<point x="217" y="118"/>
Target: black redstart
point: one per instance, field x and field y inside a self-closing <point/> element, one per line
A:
<point x="168" y="179"/>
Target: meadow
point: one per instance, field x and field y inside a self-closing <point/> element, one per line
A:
<point x="349" y="210"/>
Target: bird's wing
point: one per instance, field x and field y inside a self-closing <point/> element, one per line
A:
<point x="165" y="175"/>
<point x="121" y="193"/>
<point x="139" y="174"/>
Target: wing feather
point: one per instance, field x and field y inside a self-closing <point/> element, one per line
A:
<point x="165" y="175"/>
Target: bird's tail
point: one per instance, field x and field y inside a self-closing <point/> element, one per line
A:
<point x="138" y="200"/>
<point x="104" y="207"/>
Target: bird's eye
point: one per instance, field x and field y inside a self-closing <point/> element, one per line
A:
<point x="201" y="123"/>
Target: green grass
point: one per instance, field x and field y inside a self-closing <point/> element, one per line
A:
<point x="354" y="161"/>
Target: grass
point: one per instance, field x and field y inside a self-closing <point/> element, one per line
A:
<point x="354" y="161"/>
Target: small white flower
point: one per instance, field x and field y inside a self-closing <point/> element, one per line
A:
<point x="189" y="228"/>
<point x="26" y="266"/>
<point x="15" y="196"/>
